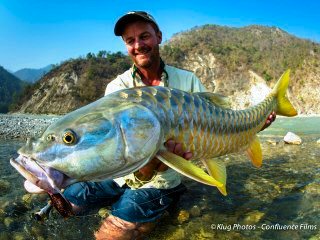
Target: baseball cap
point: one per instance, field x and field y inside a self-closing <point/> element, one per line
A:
<point x="131" y="17"/>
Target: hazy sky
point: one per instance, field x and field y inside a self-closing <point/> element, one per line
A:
<point x="34" y="33"/>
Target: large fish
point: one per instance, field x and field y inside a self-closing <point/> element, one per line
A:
<point x="119" y="133"/>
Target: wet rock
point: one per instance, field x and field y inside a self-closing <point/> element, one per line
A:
<point x="18" y="236"/>
<point x="195" y="211"/>
<point x="178" y="234"/>
<point x="2" y="215"/>
<point x="272" y="142"/>
<point x="103" y="212"/>
<point x="183" y="216"/>
<point x="312" y="188"/>
<point x="207" y="218"/>
<point x="27" y="198"/>
<point x="291" y="138"/>
<point x="203" y="234"/>
<point x="315" y="237"/>
<point x="4" y="235"/>
<point x="16" y="209"/>
<point x="253" y="217"/>
<point x="37" y="231"/>
<point x="4" y="186"/>
<point x="197" y="229"/>
<point x="40" y="197"/>
<point x="4" y="203"/>
<point x="8" y="221"/>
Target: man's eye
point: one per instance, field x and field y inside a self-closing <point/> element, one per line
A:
<point x="145" y="37"/>
<point x="129" y="42"/>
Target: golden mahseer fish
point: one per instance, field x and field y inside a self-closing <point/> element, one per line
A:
<point x="119" y="133"/>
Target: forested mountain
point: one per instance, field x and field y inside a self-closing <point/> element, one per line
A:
<point x="10" y="87"/>
<point x="232" y="60"/>
<point x="238" y="62"/>
<point x="72" y="84"/>
<point x="32" y="75"/>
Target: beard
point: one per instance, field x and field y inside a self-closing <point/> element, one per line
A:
<point x="151" y="56"/>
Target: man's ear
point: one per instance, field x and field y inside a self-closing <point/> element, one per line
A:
<point x="159" y="35"/>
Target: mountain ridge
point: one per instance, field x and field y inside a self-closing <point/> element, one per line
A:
<point x="236" y="62"/>
<point x="31" y="75"/>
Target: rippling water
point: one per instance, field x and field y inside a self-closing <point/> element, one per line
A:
<point x="285" y="192"/>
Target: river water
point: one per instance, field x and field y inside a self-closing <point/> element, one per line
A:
<point x="281" y="200"/>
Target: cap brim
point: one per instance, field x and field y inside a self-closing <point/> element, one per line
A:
<point x="124" y="20"/>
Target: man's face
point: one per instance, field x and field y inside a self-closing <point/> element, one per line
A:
<point x="142" y="42"/>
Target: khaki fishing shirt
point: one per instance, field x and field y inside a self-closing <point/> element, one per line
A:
<point x="171" y="77"/>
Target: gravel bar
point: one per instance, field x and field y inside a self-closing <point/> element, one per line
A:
<point x="22" y="126"/>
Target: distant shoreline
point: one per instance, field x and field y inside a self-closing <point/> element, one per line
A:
<point x="22" y="126"/>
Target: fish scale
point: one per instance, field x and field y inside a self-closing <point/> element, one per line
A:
<point x="204" y="128"/>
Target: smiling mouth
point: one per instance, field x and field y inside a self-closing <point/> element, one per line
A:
<point x="142" y="55"/>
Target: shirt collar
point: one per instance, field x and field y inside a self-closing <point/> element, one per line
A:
<point x="136" y="76"/>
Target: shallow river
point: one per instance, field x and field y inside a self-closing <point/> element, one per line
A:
<point x="281" y="200"/>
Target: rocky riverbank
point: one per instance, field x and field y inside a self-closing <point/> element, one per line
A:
<point x="22" y="126"/>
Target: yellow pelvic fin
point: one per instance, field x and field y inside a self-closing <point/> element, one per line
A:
<point x="254" y="152"/>
<point x="217" y="170"/>
<point x="186" y="168"/>
<point x="284" y="106"/>
<point x="216" y="98"/>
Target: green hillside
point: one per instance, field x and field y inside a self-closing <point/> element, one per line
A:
<point x="266" y="50"/>
<point x="72" y="84"/>
<point x="10" y="87"/>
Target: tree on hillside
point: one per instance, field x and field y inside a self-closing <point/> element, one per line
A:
<point x="102" y="54"/>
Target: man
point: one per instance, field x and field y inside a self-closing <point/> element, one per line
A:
<point x="139" y="199"/>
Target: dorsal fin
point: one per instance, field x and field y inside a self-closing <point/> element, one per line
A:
<point x="216" y="98"/>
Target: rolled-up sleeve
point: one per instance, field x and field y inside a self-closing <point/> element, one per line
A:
<point x="113" y="86"/>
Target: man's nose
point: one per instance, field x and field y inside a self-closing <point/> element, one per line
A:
<point x="138" y="44"/>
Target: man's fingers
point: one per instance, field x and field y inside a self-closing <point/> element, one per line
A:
<point x="178" y="149"/>
<point x="170" y="144"/>
<point x="274" y="115"/>
<point x="162" y="167"/>
<point x="187" y="155"/>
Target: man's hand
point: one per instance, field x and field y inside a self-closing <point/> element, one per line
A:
<point x="146" y="172"/>
<point x="269" y="120"/>
<point x="176" y="148"/>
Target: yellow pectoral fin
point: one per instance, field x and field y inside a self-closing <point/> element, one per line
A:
<point x="217" y="170"/>
<point x="254" y="152"/>
<point x="186" y="168"/>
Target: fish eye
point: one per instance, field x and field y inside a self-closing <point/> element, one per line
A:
<point x="69" y="137"/>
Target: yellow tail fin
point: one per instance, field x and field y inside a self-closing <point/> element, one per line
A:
<point x="284" y="107"/>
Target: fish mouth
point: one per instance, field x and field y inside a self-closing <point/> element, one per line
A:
<point x="45" y="178"/>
